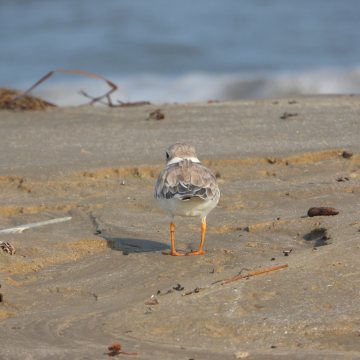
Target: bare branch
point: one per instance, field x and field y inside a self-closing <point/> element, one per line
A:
<point x="113" y="86"/>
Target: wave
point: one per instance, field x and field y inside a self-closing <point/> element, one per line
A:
<point x="200" y="87"/>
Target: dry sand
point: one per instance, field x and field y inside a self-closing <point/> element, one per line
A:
<point x="74" y="288"/>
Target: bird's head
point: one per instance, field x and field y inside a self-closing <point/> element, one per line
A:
<point x="179" y="152"/>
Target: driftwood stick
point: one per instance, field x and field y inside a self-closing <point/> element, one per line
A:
<point x="254" y="273"/>
<point x="113" y="86"/>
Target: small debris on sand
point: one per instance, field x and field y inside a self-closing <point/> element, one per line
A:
<point x="287" y="115"/>
<point x="7" y="247"/>
<point x="157" y="114"/>
<point x="347" y="154"/>
<point x="16" y="100"/>
<point x="115" y="349"/>
<point x="322" y="211"/>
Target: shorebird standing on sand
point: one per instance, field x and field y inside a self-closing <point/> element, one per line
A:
<point x="186" y="188"/>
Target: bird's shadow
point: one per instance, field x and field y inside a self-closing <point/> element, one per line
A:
<point x="319" y="237"/>
<point x="133" y="245"/>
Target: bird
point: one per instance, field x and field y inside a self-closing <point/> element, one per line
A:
<point x="185" y="187"/>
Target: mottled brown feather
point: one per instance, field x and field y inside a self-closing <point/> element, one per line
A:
<point x="185" y="180"/>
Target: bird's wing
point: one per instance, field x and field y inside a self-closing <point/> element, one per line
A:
<point x="186" y="180"/>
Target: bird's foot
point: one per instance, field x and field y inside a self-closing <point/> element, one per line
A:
<point x="194" y="253"/>
<point x="173" y="253"/>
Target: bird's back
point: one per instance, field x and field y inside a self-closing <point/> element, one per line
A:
<point x="187" y="188"/>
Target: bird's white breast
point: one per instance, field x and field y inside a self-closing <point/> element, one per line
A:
<point x="192" y="207"/>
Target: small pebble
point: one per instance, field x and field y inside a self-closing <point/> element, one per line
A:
<point x="346" y="154"/>
<point x="156" y="115"/>
<point x="322" y="211"/>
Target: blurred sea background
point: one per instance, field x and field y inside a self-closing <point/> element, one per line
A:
<point x="182" y="51"/>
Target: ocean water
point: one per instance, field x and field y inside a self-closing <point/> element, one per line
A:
<point x="182" y="51"/>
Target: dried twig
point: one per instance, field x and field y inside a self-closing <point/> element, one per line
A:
<point x="132" y="104"/>
<point x="15" y="100"/>
<point x="254" y="273"/>
<point x="113" y="87"/>
<point x="119" y="104"/>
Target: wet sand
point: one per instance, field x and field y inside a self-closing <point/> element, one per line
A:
<point x="74" y="288"/>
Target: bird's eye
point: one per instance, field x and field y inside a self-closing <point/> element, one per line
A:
<point x="167" y="156"/>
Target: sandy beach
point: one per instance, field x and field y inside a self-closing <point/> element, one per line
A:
<point x="74" y="288"/>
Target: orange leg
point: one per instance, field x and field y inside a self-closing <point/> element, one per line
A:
<point x="200" y="251"/>
<point x="173" y="251"/>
